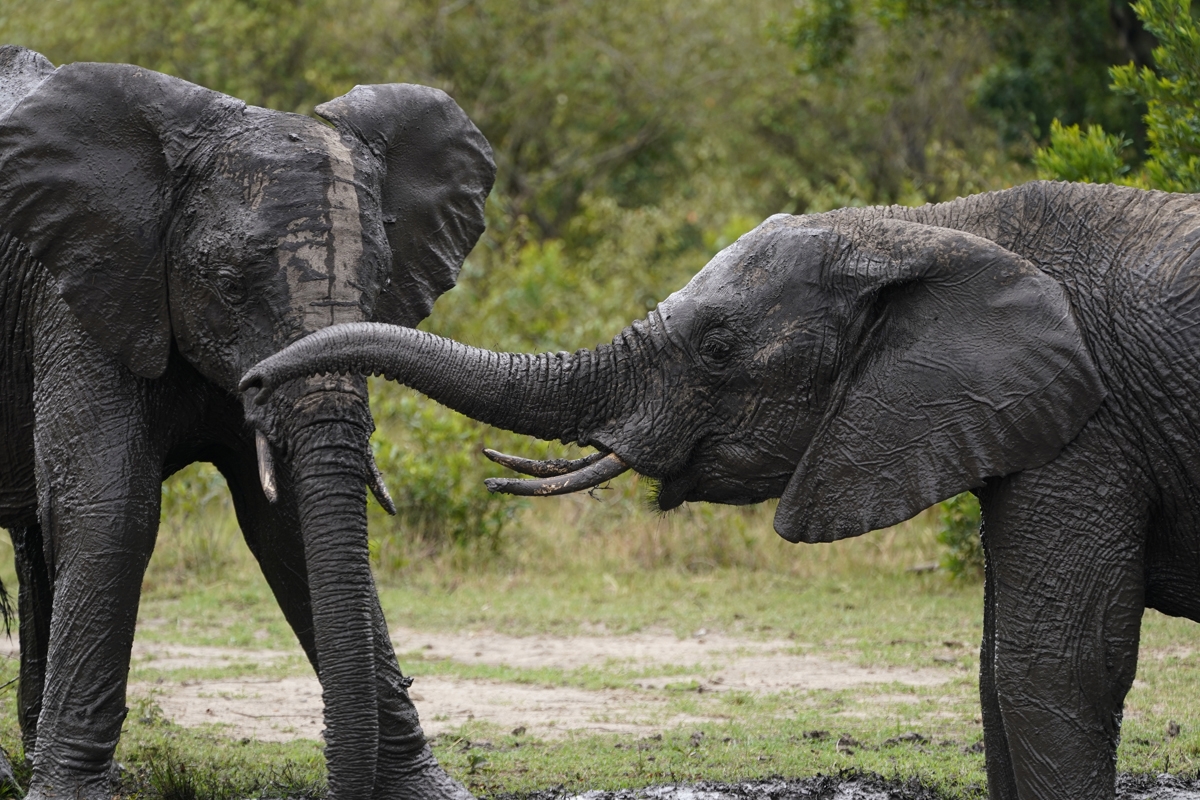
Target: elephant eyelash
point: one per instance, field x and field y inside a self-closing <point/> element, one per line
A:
<point x="229" y="286"/>
<point x="717" y="344"/>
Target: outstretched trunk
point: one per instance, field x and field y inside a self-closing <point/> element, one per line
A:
<point x="551" y="395"/>
<point x="328" y="455"/>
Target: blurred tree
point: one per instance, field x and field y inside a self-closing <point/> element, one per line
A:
<point x="1046" y="59"/>
<point x="634" y="140"/>
<point x="1053" y="63"/>
<point x="882" y="110"/>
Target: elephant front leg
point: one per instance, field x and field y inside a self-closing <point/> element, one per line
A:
<point x="98" y="498"/>
<point x="1066" y="600"/>
<point x="34" y="601"/>
<point x="1001" y="783"/>
<point x="406" y="767"/>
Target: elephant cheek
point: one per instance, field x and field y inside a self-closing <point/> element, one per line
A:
<point x="206" y="334"/>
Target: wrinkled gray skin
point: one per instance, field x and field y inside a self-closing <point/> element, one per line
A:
<point x="1039" y="345"/>
<point x="156" y="240"/>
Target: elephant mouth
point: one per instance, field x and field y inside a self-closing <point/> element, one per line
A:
<point x="701" y="483"/>
<point x="563" y="476"/>
<point x="674" y="492"/>
<point x="271" y="440"/>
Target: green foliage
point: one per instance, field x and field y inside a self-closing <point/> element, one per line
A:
<point x="435" y="473"/>
<point x="1052" y="63"/>
<point x="1171" y="95"/>
<point x="959" y="534"/>
<point x="823" y="33"/>
<point x="1091" y="157"/>
<point x="197" y="519"/>
<point x="1034" y="60"/>
<point x="882" y="109"/>
<point x="634" y="140"/>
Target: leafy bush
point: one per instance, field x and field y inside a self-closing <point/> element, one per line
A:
<point x="430" y="459"/>
<point x="1074" y="155"/>
<point x="198" y="534"/>
<point x="959" y="534"/>
<point x="1171" y="94"/>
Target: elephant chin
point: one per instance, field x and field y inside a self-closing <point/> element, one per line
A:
<point x="673" y="492"/>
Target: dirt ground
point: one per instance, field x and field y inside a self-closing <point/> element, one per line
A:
<point x="280" y="709"/>
<point x="287" y="708"/>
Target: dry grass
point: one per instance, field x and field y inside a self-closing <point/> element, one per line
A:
<point x="613" y="530"/>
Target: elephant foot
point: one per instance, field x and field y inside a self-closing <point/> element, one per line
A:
<point x="47" y="790"/>
<point x="68" y="786"/>
<point x="424" y="779"/>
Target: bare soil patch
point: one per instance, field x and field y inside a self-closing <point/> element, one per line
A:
<point x="289" y="708"/>
<point x="720" y="662"/>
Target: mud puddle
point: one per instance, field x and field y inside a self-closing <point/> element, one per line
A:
<point x="849" y="787"/>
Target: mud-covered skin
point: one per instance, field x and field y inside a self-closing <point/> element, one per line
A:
<point x="1039" y="345"/>
<point x="157" y="239"/>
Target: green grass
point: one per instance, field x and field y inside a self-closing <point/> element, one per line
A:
<point x="578" y="566"/>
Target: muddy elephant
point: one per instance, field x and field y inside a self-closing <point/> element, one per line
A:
<point x="156" y="240"/>
<point x="1039" y="346"/>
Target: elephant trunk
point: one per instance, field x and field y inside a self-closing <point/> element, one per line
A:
<point x="550" y="395"/>
<point x="328" y="461"/>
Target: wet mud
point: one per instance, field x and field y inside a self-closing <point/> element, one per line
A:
<point x="851" y="786"/>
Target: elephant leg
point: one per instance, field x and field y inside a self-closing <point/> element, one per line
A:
<point x="1001" y="784"/>
<point x="101" y="532"/>
<point x="406" y="766"/>
<point x="99" y="477"/>
<point x="34" y="602"/>
<point x="272" y="532"/>
<point x="1067" y="599"/>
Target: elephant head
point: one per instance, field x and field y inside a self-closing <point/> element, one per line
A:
<point x="860" y="369"/>
<point x="177" y="222"/>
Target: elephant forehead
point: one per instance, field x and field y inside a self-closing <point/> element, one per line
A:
<point x="740" y="273"/>
<point x="321" y="252"/>
<point x="304" y="195"/>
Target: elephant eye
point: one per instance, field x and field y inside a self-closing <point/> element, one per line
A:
<point x="717" y="345"/>
<point x="229" y="286"/>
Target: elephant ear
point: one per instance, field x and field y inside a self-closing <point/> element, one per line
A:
<point x="970" y="365"/>
<point x="438" y="170"/>
<point x="21" y="71"/>
<point x="89" y="165"/>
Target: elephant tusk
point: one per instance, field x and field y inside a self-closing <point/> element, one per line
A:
<point x="550" y="468"/>
<point x="266" y="466"/>
<point x="608" y="467"/>
<point x="379" y="488"/>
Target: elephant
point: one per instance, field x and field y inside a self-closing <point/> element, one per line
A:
<point x="157" y="239"/>
<point x="1039" y="346"/>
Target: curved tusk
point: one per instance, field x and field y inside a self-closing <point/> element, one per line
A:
<point x="379" y="488"/>
<point x="266" y="466"/>
<point x="608" y="467"/>
<point x="550" y="468"/>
